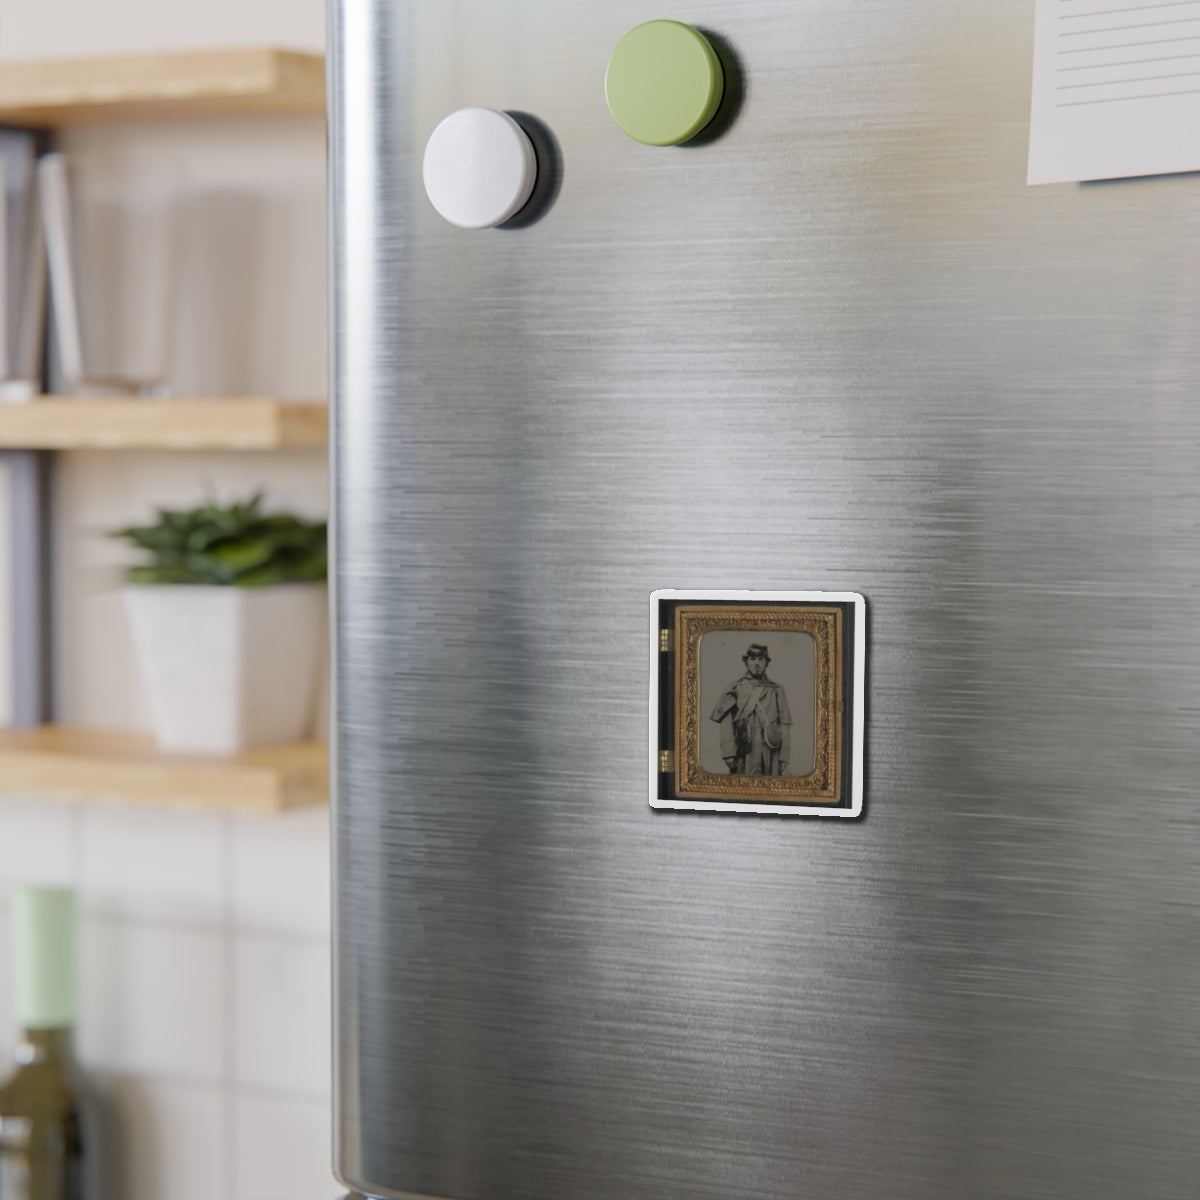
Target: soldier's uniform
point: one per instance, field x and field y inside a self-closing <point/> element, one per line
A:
<point x="756" y="723"/>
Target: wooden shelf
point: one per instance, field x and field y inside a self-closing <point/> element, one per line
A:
<point x="79" y="764"/>
<point x="229" y="423"/>
<point x="215" y="83"/>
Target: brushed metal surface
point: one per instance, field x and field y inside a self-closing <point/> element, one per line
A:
<point x="841" y="347"/>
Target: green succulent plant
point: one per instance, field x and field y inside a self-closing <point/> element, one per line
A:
<point x="237" y="546"/>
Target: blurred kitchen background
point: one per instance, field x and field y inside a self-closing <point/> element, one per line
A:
<point x="205" y="955"/>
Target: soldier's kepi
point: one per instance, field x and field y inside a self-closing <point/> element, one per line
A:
<point x="755" y="721"/>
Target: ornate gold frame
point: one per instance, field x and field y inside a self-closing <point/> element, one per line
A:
<point x="823" y="785"/>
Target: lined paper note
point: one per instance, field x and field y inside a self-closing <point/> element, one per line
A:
<point x="1116" y="89"/>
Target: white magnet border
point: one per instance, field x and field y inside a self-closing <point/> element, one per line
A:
<point x="858" y="713"/>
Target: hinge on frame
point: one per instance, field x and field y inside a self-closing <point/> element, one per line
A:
<point x="666" y="640"/>
<point x="666" y="762"/>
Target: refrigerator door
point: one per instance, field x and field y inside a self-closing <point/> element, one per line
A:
<point x="838" y="345"/>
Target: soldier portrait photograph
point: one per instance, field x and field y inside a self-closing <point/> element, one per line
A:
<point x="755" y="721"/>
<point x="757" y="702"/>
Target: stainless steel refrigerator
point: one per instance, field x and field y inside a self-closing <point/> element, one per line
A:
<point x="833" y="343"/>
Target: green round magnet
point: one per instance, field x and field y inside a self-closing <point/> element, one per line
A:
<point x="664" y="83"/>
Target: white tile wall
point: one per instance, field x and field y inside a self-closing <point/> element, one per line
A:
<point x="159" y="1000"/>
<point x="205" y="989"/>
<point x="38" y="843"/>
<point x="282" y="1015"/>
<point x="171" y="1142"/>
<point x="281" y="873"/>
<point x="154" y="864"/>
<point x="282" y="1150"/>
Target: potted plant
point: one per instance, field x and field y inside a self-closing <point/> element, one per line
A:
<point x="228" y="622"/>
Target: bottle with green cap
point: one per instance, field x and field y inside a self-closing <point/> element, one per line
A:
<point x="44" y="1124"/>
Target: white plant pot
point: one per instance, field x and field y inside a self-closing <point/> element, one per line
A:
<point x="227" y="668"/>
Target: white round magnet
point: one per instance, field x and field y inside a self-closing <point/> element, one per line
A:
<point x="479" y="168"/>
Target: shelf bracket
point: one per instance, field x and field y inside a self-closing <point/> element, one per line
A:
<point x="29" y="475"/>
